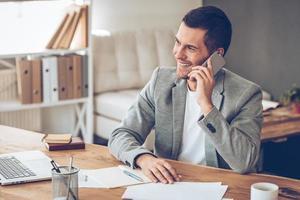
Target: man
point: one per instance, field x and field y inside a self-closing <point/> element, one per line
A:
<point x="197" y="117"/>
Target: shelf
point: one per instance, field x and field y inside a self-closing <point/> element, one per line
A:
<point x="8" y="106"/>
<point x="43" y="52"/>
<point x="83" y="107"/>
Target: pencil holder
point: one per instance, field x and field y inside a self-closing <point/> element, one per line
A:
<point x="65" y="183"/>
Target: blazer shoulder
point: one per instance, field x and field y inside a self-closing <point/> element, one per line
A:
<point x="166" y="74"/>
<point x="239" y="82"/>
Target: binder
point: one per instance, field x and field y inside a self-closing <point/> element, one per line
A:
<point x="54" y="79"/>
<point x="36" y="66"/>
<point x="24" y="76"/>
<point x="77" y="76"/>
<point x="69" y="77"/>
<point x="80" y="39"/>
<point x="50" y="80"/>
<point x="66" y="42"/>
<point x="57" y="32"/>
<point x="85" y="74"/>
<point x="62" y="77"/>
<point x="46" y="66"/>
<point x="64" y="30"/>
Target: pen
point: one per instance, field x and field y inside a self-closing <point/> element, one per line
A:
<point x="69" y="178"/>
<point x="133" y="175"/>
<point x="55" y="166"/>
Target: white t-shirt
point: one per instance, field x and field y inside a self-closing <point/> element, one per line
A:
<point x="193" y="138"/>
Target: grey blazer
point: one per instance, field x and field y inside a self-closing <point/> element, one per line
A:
<point x="232" y="128"/>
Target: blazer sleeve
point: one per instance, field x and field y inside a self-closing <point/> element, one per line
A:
<point x="125" y="142"/>
<point x="237" y="142"/>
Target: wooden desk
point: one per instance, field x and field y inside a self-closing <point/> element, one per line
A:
<point x="95" y="156"/>
<point x="280" y="123"/>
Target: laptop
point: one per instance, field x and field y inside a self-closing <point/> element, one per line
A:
<point x="23" y="167"/>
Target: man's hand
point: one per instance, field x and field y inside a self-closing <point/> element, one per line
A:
<point x="157" y="169"/>
<point x="203" y="77"/>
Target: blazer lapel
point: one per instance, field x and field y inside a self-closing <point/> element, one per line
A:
<point x="179" y="97"/>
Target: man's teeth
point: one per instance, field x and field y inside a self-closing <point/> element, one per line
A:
<point x="183" y="64"/>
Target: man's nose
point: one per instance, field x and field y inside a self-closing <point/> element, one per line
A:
<point x="179" y="53"/>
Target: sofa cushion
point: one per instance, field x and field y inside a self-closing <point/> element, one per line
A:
<point x="114" y="105"/>
<point x="126" y="60"/>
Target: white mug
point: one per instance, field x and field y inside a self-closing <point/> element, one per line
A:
<point x="264" y="191"/>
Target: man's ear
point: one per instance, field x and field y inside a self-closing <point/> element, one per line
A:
<point x="220" y="51"/>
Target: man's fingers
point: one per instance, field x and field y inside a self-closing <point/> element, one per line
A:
<point x="172" y="171"/>
<point x="196" y="76"/>
<point x="158" y="175"/>
<point x="203" y="75"/>
<point x="150" y="175"/>
<point x="166" y="173"/>
<point x="209" y="66"/>
<point x="207" y="71"/>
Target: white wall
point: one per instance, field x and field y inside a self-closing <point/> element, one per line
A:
<point x="116" y="15"/>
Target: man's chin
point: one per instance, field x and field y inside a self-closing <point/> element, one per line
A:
<point x="182" y="74"/>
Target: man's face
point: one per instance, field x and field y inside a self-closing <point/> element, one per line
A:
<point x="189" y="49"/>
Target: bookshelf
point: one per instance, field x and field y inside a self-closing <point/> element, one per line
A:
<point x="83" y="106"/>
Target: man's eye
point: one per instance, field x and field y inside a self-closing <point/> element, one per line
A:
<point x="191" y="48"/>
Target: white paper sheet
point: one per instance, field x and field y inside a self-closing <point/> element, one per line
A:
<point x="109" y="177"/>
<point x="176" y="191"/>
<point x="269" y="104"/>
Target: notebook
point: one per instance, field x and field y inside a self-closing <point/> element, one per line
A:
<point x="25" y="166"/>
<point x="76" y="143"/>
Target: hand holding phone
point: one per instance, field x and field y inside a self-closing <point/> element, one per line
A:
<point x="217" y="62"/>
<point x="201" y="79"/>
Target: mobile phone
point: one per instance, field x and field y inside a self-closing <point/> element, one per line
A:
<point x="217" y="62"/>
<point x="289" y="192"/>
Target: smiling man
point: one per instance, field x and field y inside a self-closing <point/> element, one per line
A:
<point x="198" y="117"/>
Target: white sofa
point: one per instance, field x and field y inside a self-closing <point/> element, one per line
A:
<point x="123" y="63"/>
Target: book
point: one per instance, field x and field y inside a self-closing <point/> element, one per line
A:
<point x="57" y="138"/>
<point x="76" y="143"/>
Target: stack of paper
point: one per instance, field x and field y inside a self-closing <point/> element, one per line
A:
<point x="176" y="191"/>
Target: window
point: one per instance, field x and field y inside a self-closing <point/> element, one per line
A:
<point x="29" y="25"/>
